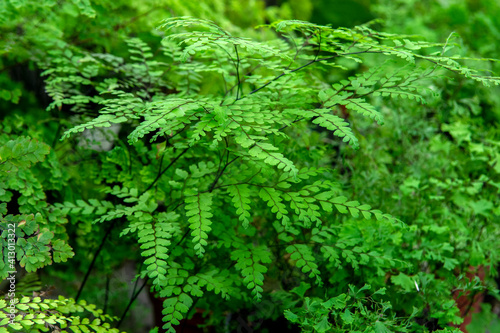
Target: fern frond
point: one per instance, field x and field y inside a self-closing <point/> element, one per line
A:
<point x="264" y="151"/>
<point x="155" y="240"/>
<point x="174" y="309"/>
<point x="241" y="201"/>
<point x="94" y="206"/>
<point x="139" y="48"/>
<point x="328" y="200"/>
<point x="212" y="280"/>
<point x="199" y="41"/>
<point x="337" y="125"/>
<point x="189" y="21"/>
<point x="129" y="194"/>
<point x="21" y="153"/>
<point x="304" y="260"/>
<point x="35" y="315"/>
<point x="249" y="262"/>
<point x="305" y="208"/>
<point x="29" y="285"/>
<point x="157" y="114"/>
<point x="198" y="208"/>
<point x="274" y="200"/>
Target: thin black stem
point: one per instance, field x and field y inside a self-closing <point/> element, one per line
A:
<point x="164" y="170"/>
<point x="220" y="173"/>
<point x="212" y="187"/>
<point x="182" y="238"/>
<point x="161" y="164"/>
<point x="349" y="53"/>
<point x="242" y="80"/>
<point x="308" y="64"/>
<point x="134" y="296"/>
<point x="178" y="205"/>
<point x="96" y="254"/>
<point x="56" y="137"/>
<point x="284" y="73"/>
<point x="137" y="281"/>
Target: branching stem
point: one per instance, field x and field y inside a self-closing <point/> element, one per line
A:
<point x="164" y="170"/>
<point x="96" y="254"/>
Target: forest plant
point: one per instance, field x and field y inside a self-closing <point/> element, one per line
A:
<point x="223" y="189"/>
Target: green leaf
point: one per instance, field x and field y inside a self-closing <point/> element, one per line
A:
<point x="198" y="209"/>
<point x="323" y="325"/>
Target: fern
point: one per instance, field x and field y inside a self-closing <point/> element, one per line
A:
<point x="209" y="120"/>
<point x="29" y="285"/>
<point x="213" y="280"/>
<point x="274" y="200"/>
<point x="304" y="260"/>
<point x="175" y="308"/>
<point x="215" y="36"/>
<point x="241" y="201"/>
<point x="249" y="262"/>
<point x="154" y="240"/>
<point x="94" y="206"/>
<point x="198" y="210"/>
<point x="35" y="313"/>
<point x="21" y="152"/>
<point x="335" y="124"/>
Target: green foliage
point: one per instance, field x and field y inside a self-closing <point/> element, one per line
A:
<point x="33" y="313"/>
<point x="352" y="310"/>
<point x="32" y="232"/>
<point x="239" y="166"/>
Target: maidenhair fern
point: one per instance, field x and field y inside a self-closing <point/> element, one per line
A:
<point x="198" y="207"/>
<point x="214" y="197"/>
<point x="261" y="90"/>
<point x="241" y="201"/>
<point x="250" y="262"/>
<point x="40" y="315"/>
<point x="36" y="245"/>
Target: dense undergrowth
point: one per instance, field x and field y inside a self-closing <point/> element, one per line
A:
<point x="324" y="178"/>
